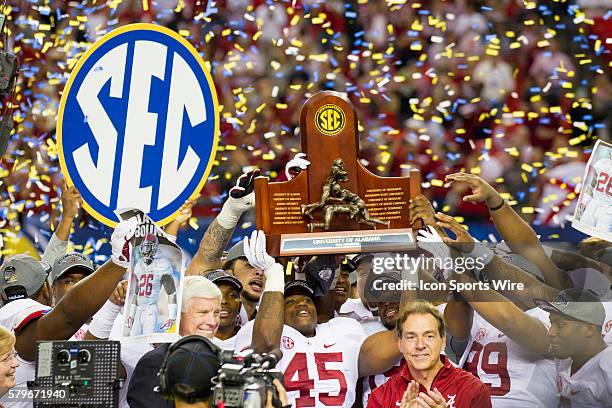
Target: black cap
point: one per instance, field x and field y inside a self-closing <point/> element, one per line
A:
<point x="190" y="369"/>
<point x="373" y="292"/>
<point x="220" y="276"/>
<point x="577" y="304"/>
<point x="298" y="286"/>
<point x="235" y="252"/>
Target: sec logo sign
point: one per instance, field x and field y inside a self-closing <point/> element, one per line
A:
<point x="138" y="123"/>
<point x="330" y="119"/>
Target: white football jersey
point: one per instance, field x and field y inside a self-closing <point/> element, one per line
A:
<point x="148" y="278"/>
<point x="590" y="386"/>
<point x="80" y="334"/>
<point x="603" y="178"/>
<point x="14" y="316"/>
<point x="372" y="382"/>
<point x="229" y="344"/>
<point x="355" y="309"/>
<point x="606" y="329"/>
<point x="515" y="377"/>
<point x="320" y="370"/>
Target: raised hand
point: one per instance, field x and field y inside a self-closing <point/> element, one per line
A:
<point x="295" y="165"/>
<point x="429" y="240"/>
<point x="118" y="296"/>
<point x="71" y="202"/>
<point x="421" y="209"/>
<point x="241" y="198"/>
<point x="120" y="242"/>
<point x="481" y="190"/>
<point x="463" y="241"/>
<point x="255" y="251"/>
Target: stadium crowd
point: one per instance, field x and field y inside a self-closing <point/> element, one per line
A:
<point x="419" y="75"/>
<point x="488" y="99"/>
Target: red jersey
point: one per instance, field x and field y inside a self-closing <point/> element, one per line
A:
<point x="459" y="388"/>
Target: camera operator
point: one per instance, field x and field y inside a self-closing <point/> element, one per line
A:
<point x="187" y="372"/>
<point x="200" y="315"/>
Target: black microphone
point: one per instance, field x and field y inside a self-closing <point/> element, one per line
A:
<point x="271" y="359"/>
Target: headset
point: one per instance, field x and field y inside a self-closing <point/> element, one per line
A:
<point x="164" y="387"/>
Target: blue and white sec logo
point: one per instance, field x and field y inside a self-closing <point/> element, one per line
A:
<point x="138" y="123"/>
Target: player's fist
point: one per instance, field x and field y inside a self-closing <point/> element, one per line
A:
<point x="421" y="209"/>
<point x="295" y="165"/>
<point x="481" y="190"/>
<point x="167" y="324"/>
<point x="245" y="184"/>
<point x="118" y="296"/>
<point x="120" y="242"/>
<point x="71" y="201"/>
<point x="241" y="199"/>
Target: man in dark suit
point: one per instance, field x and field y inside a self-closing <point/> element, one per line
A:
<point x="199" y="315"/>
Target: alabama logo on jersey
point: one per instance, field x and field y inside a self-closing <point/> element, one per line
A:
<point x="138" y="123"/>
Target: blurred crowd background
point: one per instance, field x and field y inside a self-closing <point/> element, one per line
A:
<point x="515" y="91"/>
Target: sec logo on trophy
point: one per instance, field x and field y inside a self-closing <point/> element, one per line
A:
<point x="138" y="123"/>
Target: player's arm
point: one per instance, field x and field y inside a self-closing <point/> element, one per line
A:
<point x="269" y="321"/>
<point x="217" y="235"/>
<point x="71" y="201"/>
<point x="458" y="317"/>
<point x="491" y="305"/>
<point x="102" y="322"/>
<point x="519" y="235"/>
<point x="170" y="287"/>
<point x="495" y="268"/>
<point x="526" y="331"/>
<point x="58" y="244"/>
<point x="380" y="351"/>
<point x="184" y="213"/>
<point x="83" y="300"/>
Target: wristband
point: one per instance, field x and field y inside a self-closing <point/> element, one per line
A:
<point x="275" y="279"/>
<point x="498" y="207"/>
<point x="103" y="320"/>
<point x="120" y="263"/>
<point x="482" y="251"/>
<point x="232" y="210"/>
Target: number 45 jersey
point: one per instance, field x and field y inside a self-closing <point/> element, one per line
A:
<point x="320" y="371"/>
<point x="515" y="377"/>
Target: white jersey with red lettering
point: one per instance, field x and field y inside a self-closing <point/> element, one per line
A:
<point x="598" y="210"/>
<point x="371" y="382"/>
<point x="590" y="386"/>
<point x="602" y="191"/>
<point x="606" y="329"/>
<point x="320" y="371"/>
<point x="15" y="316"/>
<point x="149" y="280"/>
<point x="80" y="334"/>
<point x="516" y="377"/>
